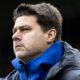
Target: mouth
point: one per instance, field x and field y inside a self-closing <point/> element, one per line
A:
<point x="17" y="44"/>
<point x="18" y="47"/>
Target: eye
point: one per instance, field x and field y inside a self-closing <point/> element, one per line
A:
<point x="13" y="31"/>
<point x="24" y="29"/>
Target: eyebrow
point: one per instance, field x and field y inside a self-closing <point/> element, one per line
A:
<point x="27" y="26"/>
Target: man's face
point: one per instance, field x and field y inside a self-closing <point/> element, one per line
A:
<point x="29" y="40"/>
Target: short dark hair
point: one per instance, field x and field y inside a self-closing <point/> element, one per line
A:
<point x="48" y="16"/>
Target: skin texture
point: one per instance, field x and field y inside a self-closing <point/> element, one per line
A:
<point x="29" y="41"/>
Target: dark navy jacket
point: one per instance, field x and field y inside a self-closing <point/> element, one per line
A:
<point x="68" y="68"/>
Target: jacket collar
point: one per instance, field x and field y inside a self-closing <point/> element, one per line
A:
<point x="42" y="64"/>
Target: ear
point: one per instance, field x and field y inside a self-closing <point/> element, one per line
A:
<point x="51" y="34"/>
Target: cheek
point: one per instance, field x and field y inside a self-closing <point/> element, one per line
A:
<point x="28" y="40"/>
<point x="33" y="41"/>
<point x="14" y="46"/>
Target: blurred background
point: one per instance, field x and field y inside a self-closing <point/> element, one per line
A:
<point x="70" y="10"/>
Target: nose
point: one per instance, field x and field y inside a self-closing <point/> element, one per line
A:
<point x="16" y="36"/>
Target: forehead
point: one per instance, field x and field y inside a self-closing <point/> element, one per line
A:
<point x="26" y="20"/>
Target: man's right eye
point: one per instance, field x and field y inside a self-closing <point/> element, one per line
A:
<point x="24" y="29"/>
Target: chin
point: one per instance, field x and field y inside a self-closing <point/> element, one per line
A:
<point x="19" y="54"/>
<point x="20" y="57"/>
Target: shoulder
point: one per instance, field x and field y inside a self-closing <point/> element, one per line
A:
<point x="11" y="76"/>
<point x="71" y="60"/>
<point x="71" y="75"/>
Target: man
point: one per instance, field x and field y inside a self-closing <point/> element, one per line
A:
<point x="40" y="52"/>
